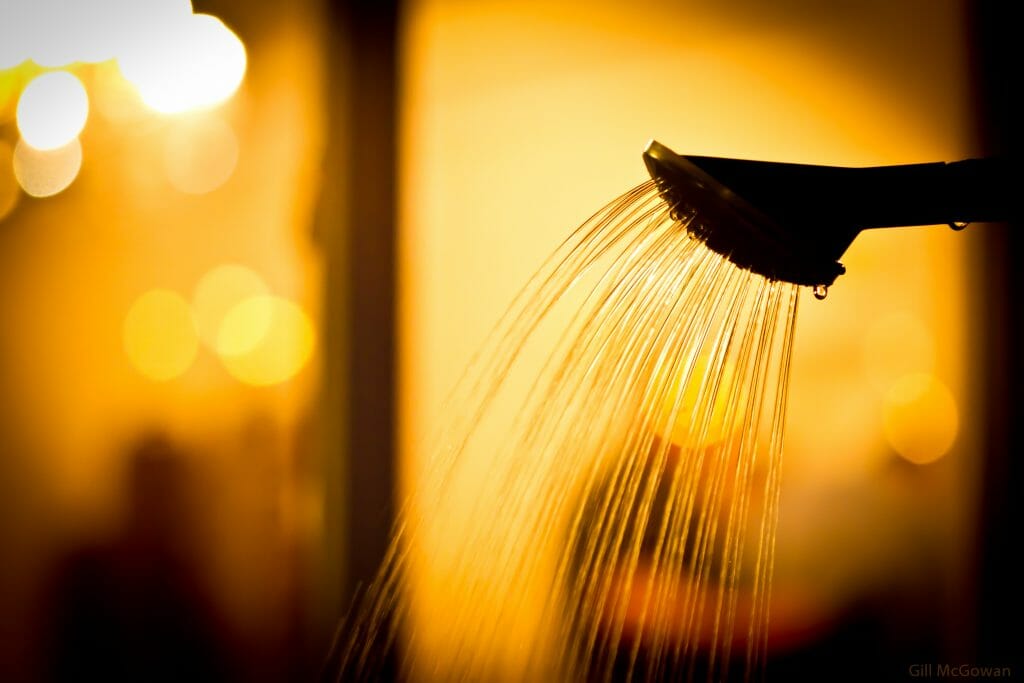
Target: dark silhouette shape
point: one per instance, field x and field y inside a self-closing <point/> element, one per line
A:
<point x="133" y="608"/>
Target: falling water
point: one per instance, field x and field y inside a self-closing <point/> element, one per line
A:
<point x="602" y="502"/>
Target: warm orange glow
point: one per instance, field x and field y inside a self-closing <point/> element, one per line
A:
<point x="46" y="173"/>
<point x="895" y="345"/>
<point x="730" y="88"/>
<point x="200" y="155"/>
<point x="160" y="336"/>
<point x="193" y="62"/>
<point x="267" y="353"/>
<point x="114" y="97"/>
<point x="218" y="292"/>
<point x="52" y="110"/>
<point x="9" y="192"/>
<point x="94" y="363"/>
<point x="921" y="418"/>
<point x="245" y="326"/>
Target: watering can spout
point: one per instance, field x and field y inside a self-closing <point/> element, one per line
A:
<point x="793" y="222"/>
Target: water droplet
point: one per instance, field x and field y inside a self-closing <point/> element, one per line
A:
<point x="820" y="292"/>
<point x="959" y="225"/>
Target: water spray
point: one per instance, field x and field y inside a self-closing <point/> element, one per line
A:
<point x="602" y="502"/>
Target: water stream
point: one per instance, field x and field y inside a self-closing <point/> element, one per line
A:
<point x="601" y="503"/>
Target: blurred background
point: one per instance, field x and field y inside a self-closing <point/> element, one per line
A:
<point x="246" y="249"/>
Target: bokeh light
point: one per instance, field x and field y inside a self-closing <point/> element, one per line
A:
<point x="217" y="293"/>
<point x="55" y="33"/>
<point x="152" y="12"/>
<point x="921" y="418"/>
<point x="114" y="98"/>
<point x="200" y="154"/>
<point x="9" y="192"/>
<point x="52" y="110"/>
<point x="46" y="173"/>
<point x="246" y="326"/>
<point x="160" y="336"/>
<point x="895" y="345"/>
<point x="192" y="63"/>
<point x="283" y="350"/>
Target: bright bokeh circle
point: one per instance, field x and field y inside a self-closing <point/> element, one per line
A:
<point x="921" y="418"/>
<point x="275" y="356"/>
<point x="46" y="173"/>
<point x="52" y="110"/>
<point x="200" y="155"/>
<point x="159" y="335"/>
<point x="218" y="291"/>
<point x="192" y="62"/>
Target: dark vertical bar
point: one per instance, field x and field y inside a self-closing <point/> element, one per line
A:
<point x="371" y="31"/>
<point x="1000" y="354"/>
<point x="357" y="229"/>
